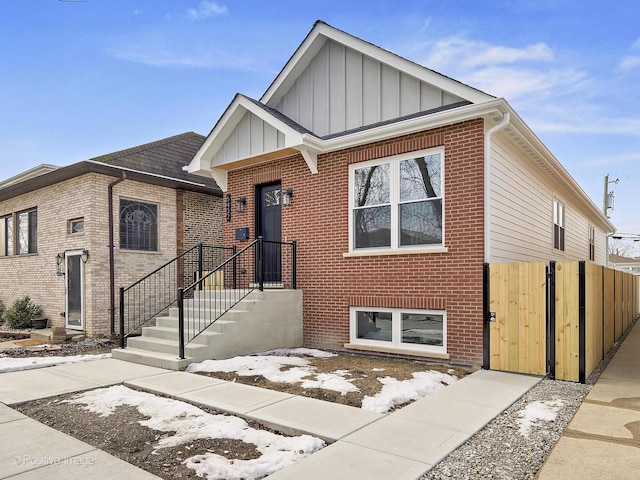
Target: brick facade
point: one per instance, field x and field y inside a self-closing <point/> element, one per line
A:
<point x="318" y="220"/>
<point x="87" y="196"/>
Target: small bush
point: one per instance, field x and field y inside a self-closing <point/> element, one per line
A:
<point x="1" y="309"/>
<point x="21" y="313"/>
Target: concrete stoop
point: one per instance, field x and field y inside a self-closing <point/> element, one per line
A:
<point x="262" y="321"/>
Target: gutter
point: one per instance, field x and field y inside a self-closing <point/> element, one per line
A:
<point x="112" y="273"/>
<point x="506" y="118"/>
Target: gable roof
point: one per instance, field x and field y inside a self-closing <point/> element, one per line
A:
<point x="158" y="163"/>
<point x="322" y="31"/>
<point x="619" y="259"/>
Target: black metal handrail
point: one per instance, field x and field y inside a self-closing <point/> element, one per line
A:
<point x="260" y="263"/>
<point x="143" y="300"/>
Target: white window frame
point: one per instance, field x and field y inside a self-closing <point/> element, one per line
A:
<point x="71" y="223"/>
<point x="592" y="243"/>
<point x="396" y="330"/>
<point x="560" y="220"/>
<point x="394" y="187"/>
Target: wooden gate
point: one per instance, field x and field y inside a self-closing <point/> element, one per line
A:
<point x="518" y="335"/>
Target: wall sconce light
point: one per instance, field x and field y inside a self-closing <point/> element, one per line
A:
<point x="287" y="196"/>
<point x="84" y="255"/>
<point x="241" y="204"/>
<point x="60" y="264"/>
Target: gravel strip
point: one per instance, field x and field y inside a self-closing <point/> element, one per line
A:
<point x="501" y="452"/>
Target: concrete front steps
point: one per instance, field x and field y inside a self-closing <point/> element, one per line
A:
<point x="261" y="321"/>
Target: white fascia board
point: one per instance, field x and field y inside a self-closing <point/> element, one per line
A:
<point x="405" y="127"/>
<point x="319" y="35"/>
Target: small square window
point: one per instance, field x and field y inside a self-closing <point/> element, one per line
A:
<point x="76" y="226"/>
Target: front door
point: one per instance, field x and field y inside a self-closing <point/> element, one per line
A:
<point x="269" y="217"/>
<point x="74" y="275"/>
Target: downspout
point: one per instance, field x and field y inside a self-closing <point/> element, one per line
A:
<point x="506" y="118"/>
<point x="112" y="272"/>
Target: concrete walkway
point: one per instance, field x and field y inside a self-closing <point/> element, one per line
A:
<point x="603" y="438"/>
<point x="400" y="445"/>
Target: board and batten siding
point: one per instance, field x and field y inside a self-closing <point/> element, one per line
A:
<point x="521" y="212"/>
<point x="342" y="89"/>
<point x="252" y="136"/>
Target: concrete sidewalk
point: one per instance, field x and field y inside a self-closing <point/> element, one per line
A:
<point x="400" y="445"/>
<point x="603" y="438"/>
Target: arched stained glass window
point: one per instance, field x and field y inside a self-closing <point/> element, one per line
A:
<point x="138" y="225"/>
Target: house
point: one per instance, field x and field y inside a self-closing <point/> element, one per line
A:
<point x="55" y="232"/>
<point x="624" y="264"/>
<point x="398" y="184"/>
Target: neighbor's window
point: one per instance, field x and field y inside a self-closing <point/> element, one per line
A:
<point x="27" y="232"/>
<point x="592" y="243"/>
<point x="76" y="226"/>
<point x="6" y="236"/>
<point x="138" y="225"/>
<point x="558" y="225"/>
<point x="397" y="202"/>
<point x="413" y="329"/>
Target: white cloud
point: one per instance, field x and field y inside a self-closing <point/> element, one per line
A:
<point x="500" y="70"/>
<point x="636" y="44"/>
<point x="629" y="62"/>
<point x="630" y="158"/>
<point x="207" y="9"/>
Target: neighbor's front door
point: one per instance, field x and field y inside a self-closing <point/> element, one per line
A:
<point x="269" y="218"/>
<point x="74" y="275"/>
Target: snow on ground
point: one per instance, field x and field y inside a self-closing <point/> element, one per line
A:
<point x="185" y="423"/>
<point x="9" y="364"/>
<point x="395" y="392"/>
<point x="270" y="364"/>
<point x="533" y="413"/>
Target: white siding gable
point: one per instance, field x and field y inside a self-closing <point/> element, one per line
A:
<point x="252" y="136"/>
<point x="342" y="89"/>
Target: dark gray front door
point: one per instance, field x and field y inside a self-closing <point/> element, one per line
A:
<point x="270" y="228"/>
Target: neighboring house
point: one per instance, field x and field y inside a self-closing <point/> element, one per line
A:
<point x="398" y="184"/>
<point x="55" y="234"/>
<point x="624" y="264"/>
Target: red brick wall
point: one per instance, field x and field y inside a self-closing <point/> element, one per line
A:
<point x="318" y="220"/>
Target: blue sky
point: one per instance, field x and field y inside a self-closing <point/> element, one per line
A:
<point x="81" y="79"/>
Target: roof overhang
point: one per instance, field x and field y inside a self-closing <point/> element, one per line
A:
<point x="89" y="166"/>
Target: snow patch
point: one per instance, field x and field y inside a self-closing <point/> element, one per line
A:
<point x="536" y="412"/>
<point x="306" y="352"/>
<point x="187" y="423"/>
<point x="10" y="364"/>
<point x="396" y="392"/>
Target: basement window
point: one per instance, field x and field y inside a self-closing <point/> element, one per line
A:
<point x="401" y="328"/>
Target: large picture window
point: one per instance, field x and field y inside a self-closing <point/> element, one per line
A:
<point x="6" y="236"/>
<point x="401" y="328"/>
<point x="397" y="202"/>
<point x="138" y="225"/>
<point x="27" y="232"/>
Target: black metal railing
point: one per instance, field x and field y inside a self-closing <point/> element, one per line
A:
<point x="261" y="263"/>
<point x="151" y="295"/>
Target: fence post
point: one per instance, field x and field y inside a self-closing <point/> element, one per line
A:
<point x="200" y="267"/>
<point x="181" y="323"/>
<point x="260" y="263"/>
<point x="486" y="326"/>
<point x="582" y="309"/>
<point x="551" y="319"/>
<point x="294" y="264"/>
<point x="121" y="317"/>
<point x="234" y="250"/>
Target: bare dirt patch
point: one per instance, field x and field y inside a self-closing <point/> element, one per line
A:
<point x="122" y="436"/>
<point x="364" y="371"/>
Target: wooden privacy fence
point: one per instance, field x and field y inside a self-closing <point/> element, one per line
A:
<point x="557" y="319"/>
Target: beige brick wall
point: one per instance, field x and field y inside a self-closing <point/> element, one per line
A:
<point x="85" y="196"/>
